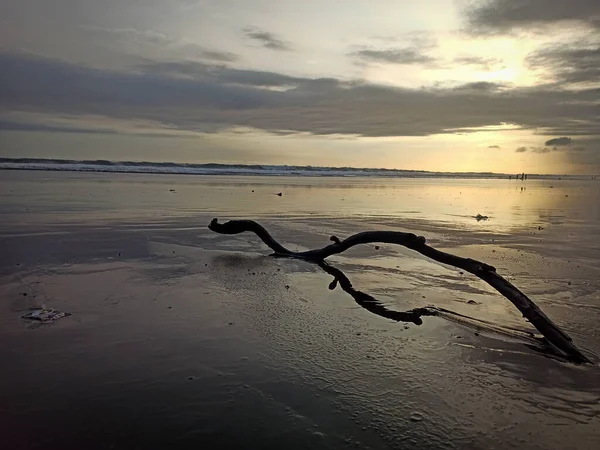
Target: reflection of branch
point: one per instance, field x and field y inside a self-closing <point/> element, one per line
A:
<point x="487" y="273"/>
<point x="374" y="306"/>
<point x="370" y="303"/>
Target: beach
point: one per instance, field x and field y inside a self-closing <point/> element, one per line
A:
<point x="179" y="337"/>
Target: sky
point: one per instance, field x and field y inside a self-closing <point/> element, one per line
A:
<point x="444" y="85"/>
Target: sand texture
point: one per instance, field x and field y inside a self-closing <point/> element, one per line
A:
<point x="182" y="338"/>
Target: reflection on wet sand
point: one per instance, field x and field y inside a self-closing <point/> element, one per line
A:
<point x="149" y="197"/>
<point x="179" y="338"/>
<point x="415" y="315"/>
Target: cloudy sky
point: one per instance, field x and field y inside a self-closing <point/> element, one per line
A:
<point x="453" y="85"/>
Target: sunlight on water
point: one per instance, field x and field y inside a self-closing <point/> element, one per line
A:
<point x="507" y="204"/>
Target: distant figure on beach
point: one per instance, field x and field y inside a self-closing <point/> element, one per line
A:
<point x="526" y="176"/>
<point x="510" y="177"/>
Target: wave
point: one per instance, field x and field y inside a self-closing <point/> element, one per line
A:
<point x="239" y="169"/>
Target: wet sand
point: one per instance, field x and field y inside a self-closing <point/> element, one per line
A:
<point x="181" y="338"/>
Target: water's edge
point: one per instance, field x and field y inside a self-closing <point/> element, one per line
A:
<point x="243" y="169"/>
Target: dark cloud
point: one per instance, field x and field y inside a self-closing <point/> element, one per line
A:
<point x="201" y="97"/>
<point x="557" y="142"/>
<point x="489" y="16"/>
<point x="559" y="145"/>
<point x="33" y="83"/>
<point x="216" y="55"/>
<point x="267" y="39"/>
<point x="9" y="125"/>
<point x="221" y="74"/>
<point x="493" y="146"/>
<point x="408" y="55"/>
<point x="577" y="62"/>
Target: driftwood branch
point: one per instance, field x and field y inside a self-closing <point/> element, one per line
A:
<point x="553" y="334"/>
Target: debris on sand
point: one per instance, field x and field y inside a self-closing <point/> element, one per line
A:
<point x="280" y="194"/>
<point x="416" y="416"/>
<point x="45" y="315"/>
<point x="479" y="217"/>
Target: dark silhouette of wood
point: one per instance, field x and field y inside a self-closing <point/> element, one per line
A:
<point x="553" y="334"/>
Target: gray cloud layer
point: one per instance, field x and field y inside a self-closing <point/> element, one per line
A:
<point x="557" y="142"/>
<point x="477" y="61"/>
<point x="505" y="15"/>
<point x="197" y="96"/>
<point x="223" y="74"/>
<point x="407" y="55"/>
<point x="576" y="62"/>
<point x="481" y="86"/>
<point x="11" y="125"/>
<point x="267" y="39"/>
<point x="562" y="144"/>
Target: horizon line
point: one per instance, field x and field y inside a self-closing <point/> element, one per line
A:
<point x="65" y="161"/>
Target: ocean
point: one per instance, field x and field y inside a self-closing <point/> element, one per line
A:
<point x="243" y="169"/>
